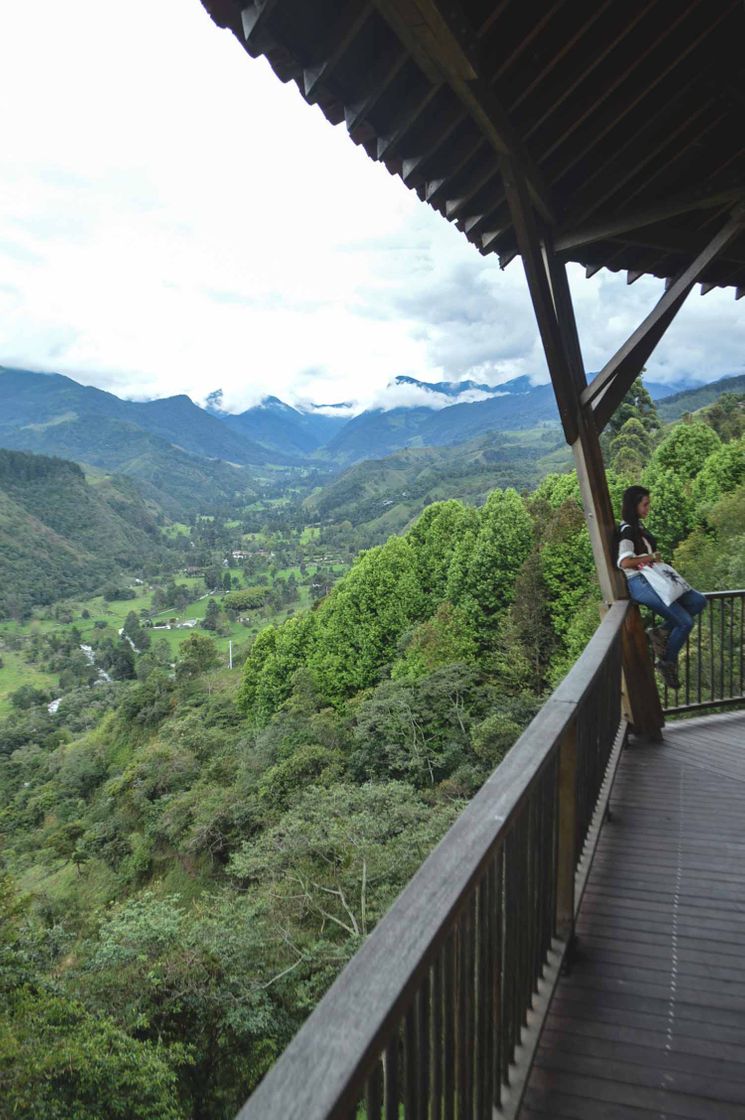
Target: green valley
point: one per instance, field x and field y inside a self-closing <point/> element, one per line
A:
<point x="191" y="854"/>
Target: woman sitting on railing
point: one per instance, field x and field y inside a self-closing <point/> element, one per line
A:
<point x="637" y="552"/>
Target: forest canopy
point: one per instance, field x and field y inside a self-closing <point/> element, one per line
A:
<point x="191" y="855"/>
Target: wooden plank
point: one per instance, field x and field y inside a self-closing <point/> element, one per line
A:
<point x="634" y="1011"/>
<point x="635" y="1067"/>
<point x="566" y="835"/>
<point x="574" y="1109"/>
<point x="652" y="1037"/>
<point x="657" y="974"/>
<point x="342" y="34"/>
<point x="697" y="1098"/>
<point x="653" y="1013"/>
<point x="613" y="224"/>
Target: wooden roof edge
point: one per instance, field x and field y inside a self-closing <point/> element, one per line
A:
<point x="446" y="56"/>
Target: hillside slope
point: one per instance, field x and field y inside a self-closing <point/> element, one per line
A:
<point x="59" y="535"/>
<point x="381" y="496"/>
<point x="673" y="407"/>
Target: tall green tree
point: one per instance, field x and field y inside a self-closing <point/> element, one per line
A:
<point x="360" y="623"/>
<point x="268" y="673"/>
<point x="485" y="563"/>
<point x="629" y="451"/>
<point x="684" y="450"/>
<point x="197" y="655"/>
<point x="636" y="405"/>
<point x="435" y="537"/>
<point x="723" y="471"/>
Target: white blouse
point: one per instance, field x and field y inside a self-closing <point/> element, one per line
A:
<point x="626" y="548"/>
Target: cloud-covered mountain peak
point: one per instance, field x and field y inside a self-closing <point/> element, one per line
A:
<point x="408" y="392"/>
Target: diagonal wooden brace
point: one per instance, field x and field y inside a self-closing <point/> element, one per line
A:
<point x="606" y="391"/>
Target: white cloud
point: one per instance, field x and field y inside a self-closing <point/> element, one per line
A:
<point x="175" y="219"/>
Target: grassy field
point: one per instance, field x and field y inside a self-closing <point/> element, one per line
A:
<point x="16" y="672"/>
<point x="175" y="529"/>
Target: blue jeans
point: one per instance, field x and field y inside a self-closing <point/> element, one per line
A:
<point x="678" y="616"/>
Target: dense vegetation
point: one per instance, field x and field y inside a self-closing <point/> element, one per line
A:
<point x="190" y="855"/>
<point x="60" y="536"/>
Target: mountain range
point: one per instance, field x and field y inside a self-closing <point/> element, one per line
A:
<point x="183" y="455"/>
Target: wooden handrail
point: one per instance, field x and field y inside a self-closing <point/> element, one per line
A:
<point x="467" y="940"/>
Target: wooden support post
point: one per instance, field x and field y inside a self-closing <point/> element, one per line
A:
<point x="566" y="834"/>
<point x="640" y="690"/>
<point x="531" y="249"/>
<point x="601" y="524"/>
<point x="588" y="458"/>
<point x="552" y="301"/>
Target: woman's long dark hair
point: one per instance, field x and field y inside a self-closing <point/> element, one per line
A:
<point x="629" y="513"/>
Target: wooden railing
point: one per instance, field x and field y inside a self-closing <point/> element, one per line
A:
<point x="711" y="666"/>
<point x="438" y="1013"/>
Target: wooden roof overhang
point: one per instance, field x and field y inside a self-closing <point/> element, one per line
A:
<point x="606" y="132"/>
<point x="625" y="117"/>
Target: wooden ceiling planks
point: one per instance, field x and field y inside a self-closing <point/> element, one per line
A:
<point x="608" y="109"/>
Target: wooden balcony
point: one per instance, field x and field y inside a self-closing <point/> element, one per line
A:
<point x="650" y="1021"/>
<point x="572" y="946"/>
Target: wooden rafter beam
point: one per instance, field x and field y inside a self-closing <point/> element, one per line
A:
<point x="602" y="108"/>
<point x="598" y="58"/>
<point x="562" y="297"/>
<point x="429" y="146"/>
<point x="409" y="113"/>
<point x="673" y="243"/>
<point x="529" y="242"/>
<point x="254" y="17"/>
<point x="459" y="154"/>
<point x="609" y="387"/>
<point x="612" y="225"/>
<point x="527" y="39"/>
<point x="443" y="32"/>
<point x="385" y="71"/>
<point x="634" y="158"/>
<point x="487" y="112"/>
<point x="456" y="207"/>
<point x="343" y="33"/>
<point x="557" y="55"/>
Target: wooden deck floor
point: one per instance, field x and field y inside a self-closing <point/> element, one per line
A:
<point x="650" y="1023"/>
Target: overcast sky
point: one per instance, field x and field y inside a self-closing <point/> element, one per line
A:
<point x="175" y="220"/>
